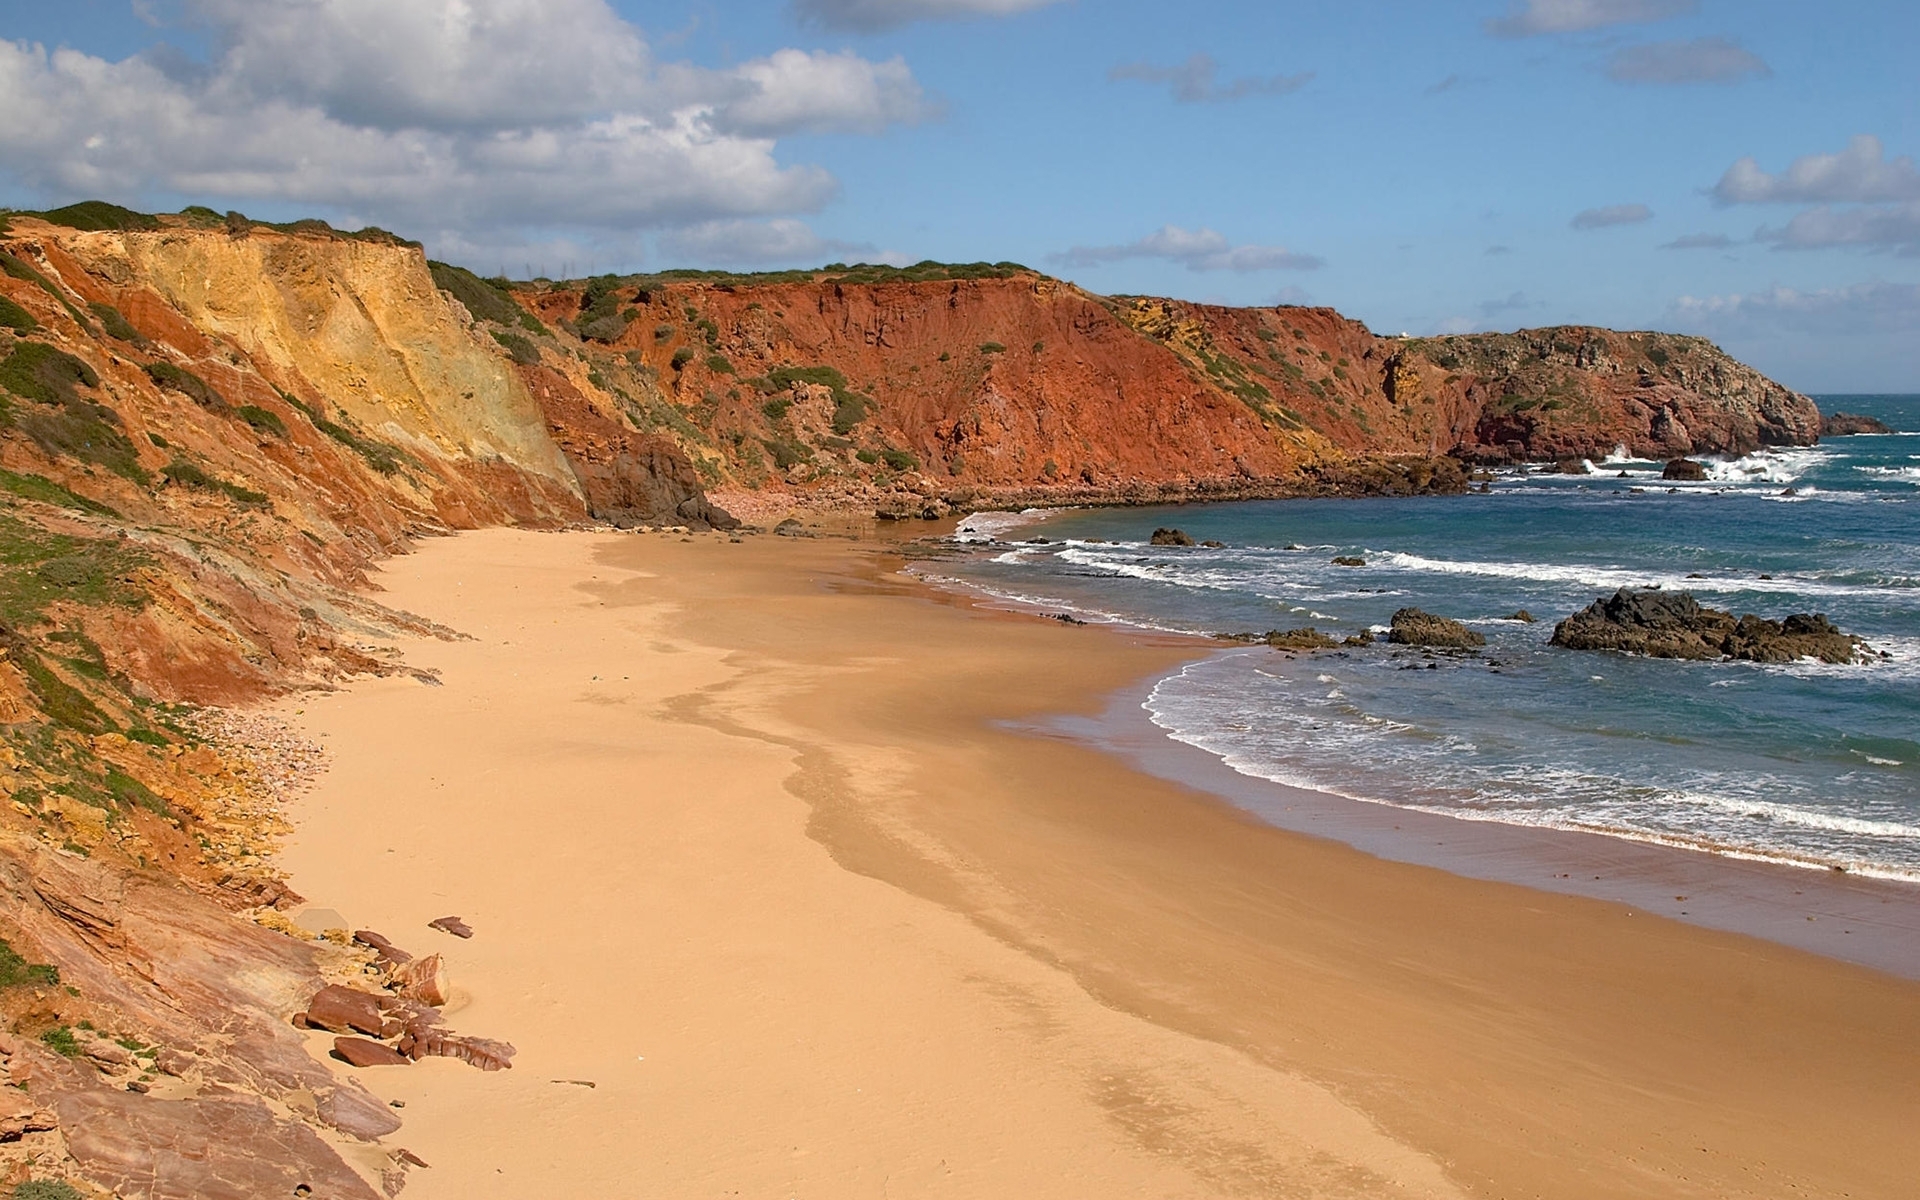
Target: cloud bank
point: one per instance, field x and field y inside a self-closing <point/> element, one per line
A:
<point x="1197" y="250"/>
<point x="467" y="116"/>
<point x="1611" y="215"/>
<point x="1195" y="81"/>
<point x="872" y="16"/>
<point x="1702" y="60"/>
<point x="1859" y="174"/>
<point x="1532" y="18"/>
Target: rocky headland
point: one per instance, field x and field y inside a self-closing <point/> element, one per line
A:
<point x="211" y="427"/>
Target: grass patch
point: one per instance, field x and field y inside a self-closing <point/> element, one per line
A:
<point x="775" y="409"/>
<point x="36" y="371"/>
<point x="16" y="971"/>
<point x="38" y="568"/>
<point x="20" y="270"/>
<point x="46" y="491"/>
<point x="68" y="424"/>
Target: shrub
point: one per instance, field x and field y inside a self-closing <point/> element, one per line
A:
<point x="487" y="299"/>
<point x="46" y="1189"/>
<point x="662" y="332"/>
<point x="35" y="371"/>
<point x="35" y="487"/>
<point x="262" y="420"/>
<point x="98" y="215"/>
<point x="786" y="453"/>
<point x="992" y="348"/>
<point x="179" y="379"/>
<point x="16" y="971"/>
<point x="718" y="364"/>
<point x="519" y="349"/>
<point x="682" y="357"/>
<point x="775" y="409"/>
<point x="186" y="474"/>
<point x="849" y="409"/>
<point x="1658" y="355"/>
<point x="116" y="324"/>
<point x="900" y="460"/>
<point x="61" y="1040"/>
<point x="867" y="456"/>
<point x="18" y="319"/>
<point x="945" y="357"/>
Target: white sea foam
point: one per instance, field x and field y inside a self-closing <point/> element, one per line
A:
<point x="1613" y="577"/>
<point x="987" y="526"/>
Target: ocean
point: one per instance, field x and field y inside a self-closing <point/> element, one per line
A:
<point x="1805" y="764"/>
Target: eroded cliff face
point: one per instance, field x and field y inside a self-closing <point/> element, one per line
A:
<point x="1004" y="387"/>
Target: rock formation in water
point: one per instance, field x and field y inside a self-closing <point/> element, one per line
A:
<point x="1675" y="625"/>
<point x="1416" y="627"/>
<point x="1840" y="424"/>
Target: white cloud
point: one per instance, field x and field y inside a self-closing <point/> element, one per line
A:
<point x="461" y="116"/>
<point x="1531" y="18"/>
<point x="1610" y="215"/>
<point x="1890" y="226"/>
<point x="1859" y="174"/>
<point x="1699" y="241"/>
<point x="1701" y="60"/>
<point x="1195" y="80"/>
<point x="751" y="242"/>
<point x="1197" y="250"/>
<point x="868" y="16"/>
<point x="795" y="91"/>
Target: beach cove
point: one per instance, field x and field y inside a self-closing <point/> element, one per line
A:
<point x="768" y="845"/>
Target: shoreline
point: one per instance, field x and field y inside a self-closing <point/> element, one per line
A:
<point x="1410" y="1024"/>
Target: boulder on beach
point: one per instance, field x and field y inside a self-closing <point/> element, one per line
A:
<point x="1674" y="625"/>
<point x="1684" y="469"/>
<point x="452" y="925"/>
<point x="1170" y="537"/>
<point x="1416" y="627"/>
<point x="360" y="1052"/>
<point x="340" y="1009"/>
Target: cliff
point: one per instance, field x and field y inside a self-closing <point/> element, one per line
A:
<point x="210" y="428"/>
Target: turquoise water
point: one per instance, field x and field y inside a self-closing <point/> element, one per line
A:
<point x="1809" y="764"/>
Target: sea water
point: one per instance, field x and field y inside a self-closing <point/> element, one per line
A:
<point x="1809" y="764"/>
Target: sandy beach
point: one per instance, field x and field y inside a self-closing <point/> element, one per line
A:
<point x="758" y="841"/>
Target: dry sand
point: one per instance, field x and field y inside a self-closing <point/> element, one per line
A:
<point x="746" y="845"/>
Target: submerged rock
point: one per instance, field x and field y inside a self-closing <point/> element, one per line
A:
<point x="1349" y="560"/>
<point x="1307" y="638"/>
<point x="1675" y="625"/>
<point x="1415" y="627"/>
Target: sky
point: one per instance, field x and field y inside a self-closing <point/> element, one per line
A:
<point x="1740" y="169"/>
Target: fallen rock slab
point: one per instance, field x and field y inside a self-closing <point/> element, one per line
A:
<point x="1417" y="627"/>
<point x="452" y="925"/>
<point x="338" y="1009"/>
<point x="360" y="1052"/>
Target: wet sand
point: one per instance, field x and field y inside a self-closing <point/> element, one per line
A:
<point x="777" y="850"/>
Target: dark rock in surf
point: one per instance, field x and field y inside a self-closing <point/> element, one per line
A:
<point x="1307" y="638"/>
<point x="1415" y="627"/>
<point x="1839" y="424"/>
<point x="1170" y="537"/>
<point x="1684" y="469"/>
<point x="1675" y="625"/>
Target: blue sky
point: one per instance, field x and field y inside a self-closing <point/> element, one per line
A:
<point x="1740" y="170"/>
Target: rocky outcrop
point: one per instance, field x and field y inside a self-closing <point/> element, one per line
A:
<point x="1839" y="424"/>
<point x="1683" y="470"/>
<point x="1674" y="625"/>
<point x="1170" y="537"/>
<point x="1416" y="627"/>
<point x="1307" y="638"/>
